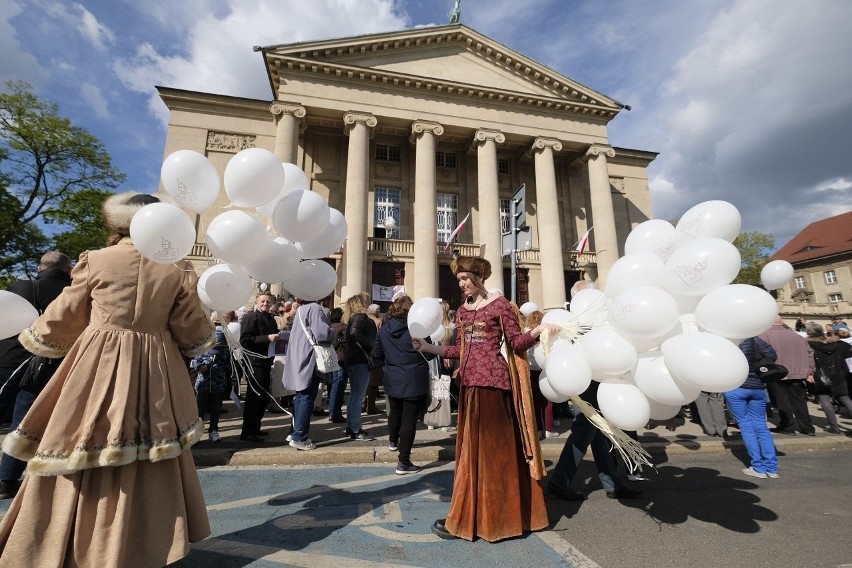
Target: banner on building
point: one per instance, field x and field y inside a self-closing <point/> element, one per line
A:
<point x="387" y="293"/>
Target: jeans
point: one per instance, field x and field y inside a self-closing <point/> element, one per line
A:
<point x="359" y="380"/>
<point x="749" y="409"/>
<point x="336" y="392"/>
<point x="583" y="435"/>
<point x="402" y="423"/>
<point x="11" y="468"/>
<point x="303" y="407"/>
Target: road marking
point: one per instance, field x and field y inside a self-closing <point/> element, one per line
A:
<point x="566" y="550"/>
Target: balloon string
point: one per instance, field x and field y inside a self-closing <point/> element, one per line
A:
<point x="632" y="452"/>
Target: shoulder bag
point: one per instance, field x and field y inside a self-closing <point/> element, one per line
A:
<point x="767" y="370"/>
<point x="325" y="355"/>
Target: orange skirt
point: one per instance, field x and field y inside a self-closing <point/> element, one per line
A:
<point x="494" y="496"/>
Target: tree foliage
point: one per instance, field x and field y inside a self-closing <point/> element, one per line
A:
<point x="44" y="160"/>
<point x="755" y="249"/>
<point x="81" y="212"/>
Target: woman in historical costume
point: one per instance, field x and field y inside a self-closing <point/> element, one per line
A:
<point x="496" y="491"/>
<point x="111" y="481"/>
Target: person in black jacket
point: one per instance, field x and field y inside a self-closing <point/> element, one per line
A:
<point x="406" y="381"/>
<point x="257" y="330"/>
<point x="830" y="376"/>
<point x="54" y="274"/>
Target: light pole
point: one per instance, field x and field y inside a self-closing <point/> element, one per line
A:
<point x="389" y="224"/>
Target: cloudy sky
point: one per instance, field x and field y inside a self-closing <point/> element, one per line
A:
<point x="745" y="100"/>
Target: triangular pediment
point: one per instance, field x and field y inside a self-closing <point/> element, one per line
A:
<point x="452" y="59"/>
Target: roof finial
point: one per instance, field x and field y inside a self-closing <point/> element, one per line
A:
<point x="455" y="13"/>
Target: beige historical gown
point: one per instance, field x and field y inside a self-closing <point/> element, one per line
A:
<point x="110" y="479"/>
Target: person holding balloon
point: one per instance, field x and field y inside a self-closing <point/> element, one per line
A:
<point x="108" y="438"/>
<point x="496" y="490"/>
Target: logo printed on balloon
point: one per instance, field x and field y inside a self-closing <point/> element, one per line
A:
<point x="167" y="252"/>
<point x="692" y="274"/>
<point x="185" y="195"/>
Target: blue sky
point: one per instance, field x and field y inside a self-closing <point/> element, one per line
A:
<point x="745" y="100"/>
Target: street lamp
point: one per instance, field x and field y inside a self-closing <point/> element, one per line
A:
<point x="389" y="225"/>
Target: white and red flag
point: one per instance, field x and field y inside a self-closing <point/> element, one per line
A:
<point x="584" y="241"/>
<point x="456" y="231"/>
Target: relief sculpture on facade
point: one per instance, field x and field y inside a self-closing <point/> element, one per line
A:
<point x="229" y="142"/>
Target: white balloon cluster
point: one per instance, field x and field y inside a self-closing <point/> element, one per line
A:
<point x="254" y="179"/>
<point x="668" y="324"/>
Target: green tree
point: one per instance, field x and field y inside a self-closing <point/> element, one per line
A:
<point x="81" y="212"/>
<point x="44" y="159"/>
<point x="755" y="249"/>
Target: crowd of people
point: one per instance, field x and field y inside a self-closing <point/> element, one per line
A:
<point x="132" y="366"/>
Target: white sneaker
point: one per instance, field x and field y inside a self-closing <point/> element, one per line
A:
<point x="551" y="434"/>
<point x="750" y="471"/>
<point x="636" y="477"/>
<point x="289" y="437"/>
<point x="214" y="436"/>
<point x="772" y="475"/>
<point x="393" y="446"/>
<point x="305" y="445"/>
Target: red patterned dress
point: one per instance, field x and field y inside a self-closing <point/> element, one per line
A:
<point x="494" y="496"/>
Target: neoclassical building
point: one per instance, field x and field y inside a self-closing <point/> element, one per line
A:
<point x="425" y="126"/>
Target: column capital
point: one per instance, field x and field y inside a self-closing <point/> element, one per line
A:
<point x="280" y="108"/>
<point x="350" y="119"/>
<point x="484" y="135"/>
<point x="596" y="150"/>
<point x="543" y="143"/>
<point x="419" y="127"/>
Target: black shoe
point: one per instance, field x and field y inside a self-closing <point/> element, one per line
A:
<point x="624" y="492"/>
<point x="361" y="435"/>
<point x="788" y="430"/>
<point x="251" y="438"/>
<point x="319" y="412"/>
<point x="566" y="494"/>
<point x="808" y="432"/>
<point x="261" y="433"/>
<point x="9" y="489"/>
<point x="337" y="420"/>
<point x="274" y="410"/>
<point x="223" y="411"/>
<point x="834" y="430"/>
<point x="439" y="529"/>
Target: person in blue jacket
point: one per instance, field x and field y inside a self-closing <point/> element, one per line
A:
<point x="406" y="381"/>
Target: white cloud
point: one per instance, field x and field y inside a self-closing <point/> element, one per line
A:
<point x="92" y="95"/>
<point x="16" y="64"/>
<point x="99" y="35"/>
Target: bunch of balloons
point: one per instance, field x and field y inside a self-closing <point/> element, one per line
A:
<point x="257" y="184"/>
<point x="668" y="323"/>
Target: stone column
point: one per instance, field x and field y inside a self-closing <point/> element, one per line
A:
<point x="490" y="232"/>
<point x="425" y="134"/>
<point x="358" y="127"/>
<point x="603" y="217"/>
<point x="549" y="228"/>
<point x="287" y="117"/>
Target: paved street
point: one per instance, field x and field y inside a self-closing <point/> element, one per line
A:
<point x="698" y="510"/>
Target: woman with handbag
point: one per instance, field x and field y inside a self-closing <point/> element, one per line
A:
<point x="406" y="381"/>
<point x="747" y="404"/>
<point x="311" y="328"/>
<point x="830" y="357"/>
<point x="360" y="336"/>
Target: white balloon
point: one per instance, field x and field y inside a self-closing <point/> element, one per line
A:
<point x="653" y="378"/>
<point x="655" y="236"/>
<point x="607" y="352"/>
<point x="191" y="178"/>
<point x="567" y="370"/>
<point x="547" y="390"/>
<point x="624" y="405"/>
<point x="717" y="219"/>
<point x="424" y="317"/>
<point x="645" y="344"/>
<point x="236" y="237"/>
<point x="301" y="215"/>
<point x="312" y="280"/>
<point x="633" y="270"/>
<point x="686" y="304"/>
<point x="736" y="311"/>
<point x="162" y="232"/>
<point x="294" y="178"/>
<point x="538" y="355"/>
<point x="700" y="266"/>
<point x="276" y="262"/>
<point x="253" y="177"/>
<point x="328" y="241"/>
<point x="660" y="411"/>
<point x="528" y="307"/>
<point x="643" y="312"/>
<point x="264" y="287"/>
<point x="557" y="316"/>
<point x="18" y="314"/>
<point x="705" y="360"/>
<point x="224" y="287"/>
<point x="438" y="334"/>
<point x="587" y="300"/>
<point x="775" y="274"/>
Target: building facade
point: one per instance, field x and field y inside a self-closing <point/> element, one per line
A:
<point x="821" y="288"/>
<point x="425" y="126"/>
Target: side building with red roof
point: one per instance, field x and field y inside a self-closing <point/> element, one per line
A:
<point x="821" y="288"/>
